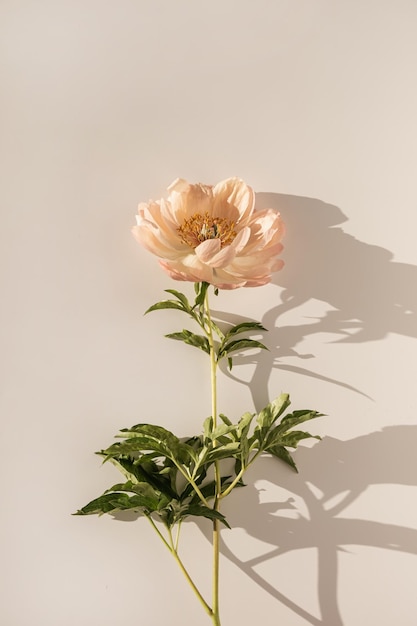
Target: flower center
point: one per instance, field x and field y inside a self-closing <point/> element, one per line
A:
<point x="199" y="228"/>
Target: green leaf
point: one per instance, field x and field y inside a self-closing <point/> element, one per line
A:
<point x="239" y="344"/>
<point x="198" y="341"/>
<point x="159" y="432"/>
<point x="140" y="489"/>
<point x="156" y="433"/>
<point x="195" y="442"/>
<point x="281" y="453"/>
<point x="181" y="297"/>
<point x="221" y="430"/>
<point x="165" y="304"/>
<point x="229" y="363"/>
<point x="225" y="419"/>
<point x="126" y="466"/>
<point x="201" y="294"/>
<point x="293" y="438"/>
<point x="297" y="417"/>
<point x="244" y="424"/>
<point x="272" y="411"/>
<point x="145" y="471"/>
<point x="203" y="511"/>
<point x="217" y="330"/>
<point x="227" y="451"/>
<point x="244" y="327"/>
<point x="242" y="435"/>
<point x="111" y="502"/>
<point x="171" y="449"/>
<point x="208" y="427"/>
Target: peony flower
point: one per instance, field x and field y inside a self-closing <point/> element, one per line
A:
<point x="212" y="234"/>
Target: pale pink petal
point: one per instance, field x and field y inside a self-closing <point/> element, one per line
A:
<point x="156" y="213"/>
<point x="258" y="282"/>
<point x="225" y="280"/>
<point x="167" y="215"/>
<point x="210" y="252"/>
<point x="228" y="286"/>
<point x="241" y="239"/>
<point x="265" y="229"/>
<point x="234" y="200"/>
<point x="153" y="220"/>
<point x="174" y="273"/>
<point x="150" y="238"/>
<point x="223" y="257"/>
<point x="277" y="265"/>
<point x="190" y="200"/>
<point x="267" y="222"/>
<point x="179" y="185"/>
<point x="207" y="249"/>
<point x="191" y="268"/>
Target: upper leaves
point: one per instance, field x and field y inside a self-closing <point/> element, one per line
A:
<point x="228" y="342"/>
<point x="198" y="341"/>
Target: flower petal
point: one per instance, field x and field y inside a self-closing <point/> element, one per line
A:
<point x="234" y="200"/>
<point x="149" y="236"/>
<point x="188" y="268"/>
<point x="224" y="257"/>
<point x="186" y="200"/>
<point x="241" y="239"/>
<point x="158" y="214"/>
<point x="207" y="249"/>
<point x="210" y="252"/>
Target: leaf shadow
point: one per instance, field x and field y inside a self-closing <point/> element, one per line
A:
<point x="316" y="509"/>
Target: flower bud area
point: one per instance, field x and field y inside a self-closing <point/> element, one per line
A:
<point x="199" y="228"/>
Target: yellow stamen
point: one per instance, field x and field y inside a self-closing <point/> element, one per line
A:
<point x="199" y="228"/>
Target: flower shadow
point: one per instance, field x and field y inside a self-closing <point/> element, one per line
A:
<point x="366" y="292"/>
<point x="369" y="292"/>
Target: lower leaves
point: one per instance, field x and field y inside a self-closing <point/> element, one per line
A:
<point x="167" y="478"/>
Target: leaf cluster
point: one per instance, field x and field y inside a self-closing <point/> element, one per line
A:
<point x="156" y="463"/>
<point x="168" y="478"/>
<point x="228" y="342"/>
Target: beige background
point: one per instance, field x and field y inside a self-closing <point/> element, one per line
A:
<point x="314" y="104"/>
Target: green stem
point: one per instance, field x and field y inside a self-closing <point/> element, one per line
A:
<point x="177" y="538"/>
<point x="192" y="483"/>
<point x="217" y="476"/>
<point x="160" y="535"/>
<point x="238" y="477"/>
<point x="216" y="554"/>
<point x="187" y="576"/>
<point x="172" y="548"/>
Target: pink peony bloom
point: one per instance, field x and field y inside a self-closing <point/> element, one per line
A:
<point x="212" y="234"/>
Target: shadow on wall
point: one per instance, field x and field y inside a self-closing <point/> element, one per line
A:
<point x="369" y="295"/>
<point x="325" y="496"/>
